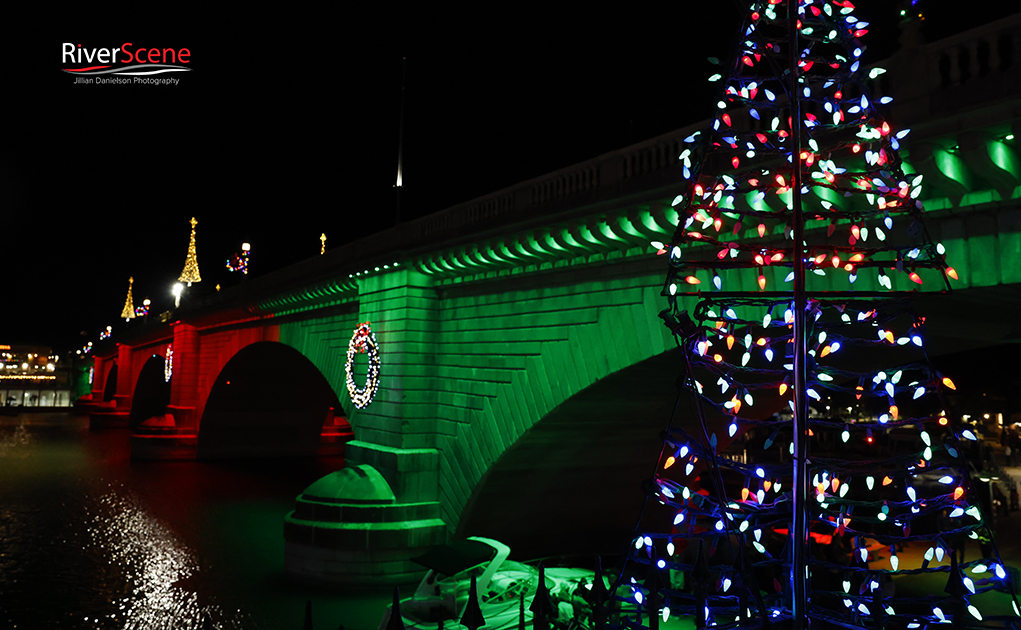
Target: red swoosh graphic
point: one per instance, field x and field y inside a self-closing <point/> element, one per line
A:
<point x="83" y="69"/>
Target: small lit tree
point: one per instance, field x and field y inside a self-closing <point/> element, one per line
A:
<point x="190" y="273"/>
<point x="128" y="312"/>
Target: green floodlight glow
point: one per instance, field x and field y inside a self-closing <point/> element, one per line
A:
<point x="951" y="165"/>
<point x="1009" y="136"/>
<point x="1003" y="157"/>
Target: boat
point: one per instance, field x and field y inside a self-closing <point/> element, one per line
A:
<point x="506" y="588"/>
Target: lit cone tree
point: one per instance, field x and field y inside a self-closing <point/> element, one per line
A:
<point x="816" y="446"/>
<point x="191" y="263"/>
<point x="128" y="312"/>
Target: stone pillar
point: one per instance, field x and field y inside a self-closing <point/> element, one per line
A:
<point x="396" y="433"/>
<point x="368" y="532"/>
<point x="98" y="378"/>
<point x="125" y="374"/>
<point x="184" y="383"/>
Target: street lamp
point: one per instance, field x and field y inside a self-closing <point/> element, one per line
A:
<point x="178" y="290"/>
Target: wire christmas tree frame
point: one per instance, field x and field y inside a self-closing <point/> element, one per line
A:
<point x="797" y="189"/>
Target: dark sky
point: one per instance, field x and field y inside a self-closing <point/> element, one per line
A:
<point x="287" y="127"/>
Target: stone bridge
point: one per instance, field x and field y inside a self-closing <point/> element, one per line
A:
<point x="522" y="357"/>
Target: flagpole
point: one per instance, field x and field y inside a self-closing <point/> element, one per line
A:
<point x="799" y="544"/>
<point x="400" y="144"/>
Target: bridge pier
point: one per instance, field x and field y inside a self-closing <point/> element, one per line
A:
<point x="395" y="450"/>
<point x="174" y="435"/>
<point x="114" y="413"/>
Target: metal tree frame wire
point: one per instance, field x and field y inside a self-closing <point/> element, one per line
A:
<point x="799" y="181"/>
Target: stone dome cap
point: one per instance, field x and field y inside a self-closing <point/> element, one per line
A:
<point x="355" y="484"/>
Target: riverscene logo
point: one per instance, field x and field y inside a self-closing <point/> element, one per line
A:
<point x="105" y="66"/>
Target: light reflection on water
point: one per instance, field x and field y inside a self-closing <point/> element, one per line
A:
<point x="154" y="561"/>
<point x="91" y="539"/>
<point x="80" y="551"/>
<point x="11" y="443"/>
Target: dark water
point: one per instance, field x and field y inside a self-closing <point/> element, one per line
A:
<point x="90" y="539"/>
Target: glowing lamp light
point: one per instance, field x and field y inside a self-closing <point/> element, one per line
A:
<point x="952" y="273"/>
<point x="692" y="280"/>
<point x="949" y="383"/>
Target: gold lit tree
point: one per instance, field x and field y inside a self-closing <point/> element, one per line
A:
<point x="191" y="264"/>
<point x="129" y="305"/>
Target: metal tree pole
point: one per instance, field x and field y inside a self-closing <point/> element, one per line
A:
<point x="799" y="544"/>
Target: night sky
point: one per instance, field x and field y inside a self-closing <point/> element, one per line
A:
<point x="287" y="127"/>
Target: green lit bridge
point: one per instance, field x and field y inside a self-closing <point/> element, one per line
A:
<point x="522" y="356"/>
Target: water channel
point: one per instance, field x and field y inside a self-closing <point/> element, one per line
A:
<point x="91" y="539"/>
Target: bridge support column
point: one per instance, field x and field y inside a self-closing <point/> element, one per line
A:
<point x="93" y="401"/>
<point x="98" y="379"/>
<point x="397" y="432"/>
<point x="114" y="413"/>
<point x="125" y="378"/>
<point x="388" y="510"/>
<point x="184" y="383"/>
<point x="159" y="437"/>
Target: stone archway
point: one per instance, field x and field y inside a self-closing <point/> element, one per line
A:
<point x="269" y="400"/>
<point x="151" y="393"/>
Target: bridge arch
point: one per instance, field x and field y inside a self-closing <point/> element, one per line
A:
<point x="151" y="392"/>
<point x="597" y="444"/>
<point x="268" y="400"/>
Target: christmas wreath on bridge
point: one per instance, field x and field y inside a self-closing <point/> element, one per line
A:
<point x="363" y="341"/>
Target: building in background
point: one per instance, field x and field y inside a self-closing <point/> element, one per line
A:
<point x="33" y="376"/>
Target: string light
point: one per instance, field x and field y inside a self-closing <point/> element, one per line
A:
<point x="863" y="222"/>
<point x="239" y="262"/>
<point x="128" y="312"/>
<point x="190" y="273"/>
<point x="168" y="363"/>
<point x="363" y="341"/>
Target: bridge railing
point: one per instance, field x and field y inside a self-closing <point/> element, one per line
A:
<point x="973" y="68"/>
<point x="593" y="180"/>
<point x="968" y="69"/>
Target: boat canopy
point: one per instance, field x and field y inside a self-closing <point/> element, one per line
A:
<point x="455" y="557"/>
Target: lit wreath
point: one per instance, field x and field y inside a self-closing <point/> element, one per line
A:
<point x="365" y="342"/>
